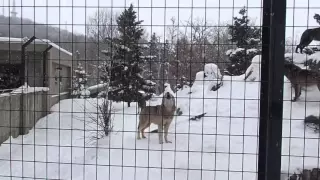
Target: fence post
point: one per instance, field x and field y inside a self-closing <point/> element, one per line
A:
<point x="271" y="102"/>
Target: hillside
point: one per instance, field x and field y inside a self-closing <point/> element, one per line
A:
<point x="21" y="27"/>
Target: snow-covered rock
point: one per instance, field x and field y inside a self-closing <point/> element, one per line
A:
<point x="207" y="79"/>
<point x="253" y="73"/>
<point x="212" y="71"/>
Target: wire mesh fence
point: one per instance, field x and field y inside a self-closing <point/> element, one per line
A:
<point x="157" y="89"/>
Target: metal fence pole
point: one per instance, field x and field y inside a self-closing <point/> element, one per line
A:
<point x="271" y="102"/>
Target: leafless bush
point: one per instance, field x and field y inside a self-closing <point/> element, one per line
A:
<point x="99" y="124"/>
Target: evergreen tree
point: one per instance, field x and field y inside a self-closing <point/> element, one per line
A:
<point x="127" y="84"/>
<point x="247" y="39"/>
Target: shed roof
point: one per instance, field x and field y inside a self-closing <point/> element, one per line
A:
<point x="36" y="41"/>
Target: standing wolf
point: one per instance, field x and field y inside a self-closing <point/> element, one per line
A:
<point x="300" y="77"/>
<point x="161" y="115"/>
<point x="307" y="37"/>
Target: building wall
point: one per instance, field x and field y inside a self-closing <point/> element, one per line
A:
<point x="20" y="112"/>
<point x="34" y="72"/>
<point x="60" y="79"/>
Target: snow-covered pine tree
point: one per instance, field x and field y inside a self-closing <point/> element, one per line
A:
<point x="247" y="39"/>
<point x="127" y="84"/>
<point x="79" y="82"/>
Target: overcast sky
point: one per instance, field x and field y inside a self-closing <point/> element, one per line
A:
<point x="153" y="12"/>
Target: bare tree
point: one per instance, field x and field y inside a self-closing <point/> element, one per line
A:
<point x="100" y="27"/>
<point x="102" y="24"/>
<point x="198" y="43"/>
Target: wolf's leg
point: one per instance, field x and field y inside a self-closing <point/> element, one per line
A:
<point x="140" y="126"/>
<point x="166" y="128"/>
<point x="142" y="131"/>
<point x="297" y="92"/>
<point x="318" y="84"/>
<point x="298" y="47"/>
<point x="138" y="134"/>
<point x="160" y="133"/>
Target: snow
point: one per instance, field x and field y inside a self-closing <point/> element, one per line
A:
<point x="300" y="59"/>
<point x="56" y="46"/>
<point x="212" y="71"/>
<point x="232" y="52"/>
<point x="10" y="39"/>
<point x="40" y="41"/>
<point x="80" y="72"/>
<point x="98" y="86"/>
<point x="150" y="82"/>
<point x="253" y="72"/>
<point x="60" y="94"/>
<point x="315" y="57"/>
<point x="224" y="144"/>
<point x="297" y="57"/>
<point x="205" y="80"/>
<point x="84" y="93"/>
<point x="27" y="89"/>
<point x="124" y="47"/>
<point x="148" y="57"/>
<point x="252" y="51"/>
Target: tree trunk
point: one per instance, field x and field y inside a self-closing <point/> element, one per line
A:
<point x="128" y="104"/>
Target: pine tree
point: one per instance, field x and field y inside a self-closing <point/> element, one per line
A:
<point x="127" y="84"/>
<point x="247" y="39"/>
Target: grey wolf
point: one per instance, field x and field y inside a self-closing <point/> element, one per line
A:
<point x="300" y="77"/>
<point x="307" y="37"/>
<point x="161" y="115"/>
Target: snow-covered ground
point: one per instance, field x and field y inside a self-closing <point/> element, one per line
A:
<point x="223" y="145"/>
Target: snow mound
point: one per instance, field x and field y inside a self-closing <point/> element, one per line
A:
<point x="304" y="61"/>
<point x="207" y="79"/>
<point x="296" y="58"/>
<point x="27" y="89"/>
<point x="253" y="72"/>
<point x="212" y="71"/>
<point x="315" y="58"/>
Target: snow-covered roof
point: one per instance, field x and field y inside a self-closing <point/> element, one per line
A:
<point x="37" y="41"/>
<point x="56" y="46"/>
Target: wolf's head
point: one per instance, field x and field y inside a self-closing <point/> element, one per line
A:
<point x="168" y="100"/>
<point x="290" y="68"/>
